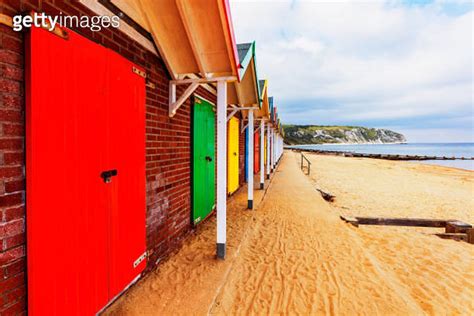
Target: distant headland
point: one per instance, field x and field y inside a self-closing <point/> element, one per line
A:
<point x="320" y="134"/>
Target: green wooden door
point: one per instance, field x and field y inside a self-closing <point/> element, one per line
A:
<point x="203" y="159"/>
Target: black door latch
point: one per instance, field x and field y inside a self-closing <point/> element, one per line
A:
<point x="208" y="158"/>
<point x="108" y="174"/>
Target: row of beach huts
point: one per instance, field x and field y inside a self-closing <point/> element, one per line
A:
<point x="116" y="143"/>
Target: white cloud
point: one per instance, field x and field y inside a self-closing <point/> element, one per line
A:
<point x="373" y="59"/>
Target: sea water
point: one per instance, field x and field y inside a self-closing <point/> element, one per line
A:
<point x="465" y="150"/>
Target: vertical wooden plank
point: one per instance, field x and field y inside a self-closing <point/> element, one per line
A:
<point x="127" y="223"/>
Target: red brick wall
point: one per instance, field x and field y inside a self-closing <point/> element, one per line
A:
<point x="12" y="181"/>
<point x="168" y="150"/>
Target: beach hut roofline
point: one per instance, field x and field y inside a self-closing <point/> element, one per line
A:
<point x="193" y="37"/>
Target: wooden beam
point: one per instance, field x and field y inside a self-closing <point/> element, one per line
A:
<point x="190" y="32"/>
<point x="204" y="80"/>
<point x="99" y="9"/>
<point x="170" y="36"/>
<point x="457" y="227"/>
<point x="145" y="9"/>
<point x="231" y="114"/>
<point x="227" y="37"/>
<point x="413" y="222"/>
<point x="351" y="220"/>
<point x="132" y="9"/>
<point x="174" y="105"/>
<point x="453" y="236"/>
<point x="470" y="236"/>
<point x="244" y="127"/>
<point x="6" y="20"/>
<point x="326" y="195"/>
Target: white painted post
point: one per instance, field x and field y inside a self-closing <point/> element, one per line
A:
<point x="273" y="149"/>
<point x="250" y="162"/>
<point x="262" y="155"/>
<point x="221" y="168"/>
<point x="268" y="151"/>
<point x="270" y="155"/>
<point x="278" y="147"/>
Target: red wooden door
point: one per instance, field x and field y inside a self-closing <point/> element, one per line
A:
<point x="256" y="154"/>
<point x="127" y="156"/>
<point x="75" y="220"/>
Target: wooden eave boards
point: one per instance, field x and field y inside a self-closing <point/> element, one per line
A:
<point x="264" y="110"/>
<point x="193" y="37"/>
<point x="245" y="92"/>
<point x="133" y="10"/>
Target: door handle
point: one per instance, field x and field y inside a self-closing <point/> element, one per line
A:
<point x="208" y="158"/>
<point x="235" y="154"/>
<point x="108" y="174"/>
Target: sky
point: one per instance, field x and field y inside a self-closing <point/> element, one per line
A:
<point x="405" y="65"/>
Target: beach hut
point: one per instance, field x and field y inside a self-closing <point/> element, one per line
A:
<point x="198" y="53"/>
<point x="263" y="116"/>
<point x="117" y="137"/>
<point x="244" y="99"/>
<point x="241" y="98"/>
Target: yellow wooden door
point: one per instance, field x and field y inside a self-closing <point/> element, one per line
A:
<point x="233" y="156"/>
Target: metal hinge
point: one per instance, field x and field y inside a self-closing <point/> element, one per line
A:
<point x="140" y="259"/>
<point x="139" y="72"/>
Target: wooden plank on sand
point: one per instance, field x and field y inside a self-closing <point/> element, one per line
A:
<point x="414" y="222"/>
<point x="457" y="227"/>
<point x="453" y="236"/>
<point x="351" y="220"/>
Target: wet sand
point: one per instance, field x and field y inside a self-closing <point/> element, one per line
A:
<point x="294" y="255"/>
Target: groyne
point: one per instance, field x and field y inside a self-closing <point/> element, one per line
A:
<point x="377" y="156"/>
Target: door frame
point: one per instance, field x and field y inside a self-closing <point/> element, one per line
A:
<point x="193" y="99"/>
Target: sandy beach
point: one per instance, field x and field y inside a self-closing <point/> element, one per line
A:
<point x="293" y="254"/>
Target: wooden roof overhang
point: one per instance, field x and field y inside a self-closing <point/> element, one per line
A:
<point x="264" y="111"/>
<point x="195" y="39"/>
<point x="245" y="93"/>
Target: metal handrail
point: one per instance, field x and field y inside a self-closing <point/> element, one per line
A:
<point x="302" y="163"/>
